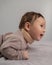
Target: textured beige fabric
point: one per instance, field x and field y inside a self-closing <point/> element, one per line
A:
<point x="13" y="45"/>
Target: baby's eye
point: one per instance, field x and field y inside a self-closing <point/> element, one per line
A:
<point x="41" y="25"/>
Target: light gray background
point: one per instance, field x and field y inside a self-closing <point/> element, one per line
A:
<point x="11" y="12"/>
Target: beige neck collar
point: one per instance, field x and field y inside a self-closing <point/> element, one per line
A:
<point x="27" y="36"/>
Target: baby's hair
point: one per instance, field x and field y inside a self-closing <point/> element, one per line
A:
<point x="29" y="17"/>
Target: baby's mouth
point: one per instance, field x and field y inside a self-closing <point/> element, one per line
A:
<point x="41" y="35"/>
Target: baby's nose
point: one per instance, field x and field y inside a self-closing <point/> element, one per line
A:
<point x="44" y="31"/>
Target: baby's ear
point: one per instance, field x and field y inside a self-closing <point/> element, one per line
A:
<point x="27" y="26"/>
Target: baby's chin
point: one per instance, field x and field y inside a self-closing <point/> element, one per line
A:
<point x="39" y="38"/>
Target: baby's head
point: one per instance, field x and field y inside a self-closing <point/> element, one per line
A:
<point x="34" y="23"/>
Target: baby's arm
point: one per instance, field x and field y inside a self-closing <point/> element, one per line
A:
<point x="13" y="54"/>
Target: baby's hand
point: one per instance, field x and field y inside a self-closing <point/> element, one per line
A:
<point x="25" y="55"/>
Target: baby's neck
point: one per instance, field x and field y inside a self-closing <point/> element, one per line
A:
<point x="27" y="36"/>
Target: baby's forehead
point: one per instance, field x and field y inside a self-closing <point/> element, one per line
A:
<point x="40" y="20"/>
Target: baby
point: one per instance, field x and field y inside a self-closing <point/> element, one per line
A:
<point x="14" y="46"/>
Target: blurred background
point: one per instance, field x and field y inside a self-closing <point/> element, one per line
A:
<point x="11" y="12"/>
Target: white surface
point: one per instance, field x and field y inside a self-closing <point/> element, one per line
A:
<point x="40" y="54"/>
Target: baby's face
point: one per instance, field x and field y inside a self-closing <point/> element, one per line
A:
<point x="37" y="29"/>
